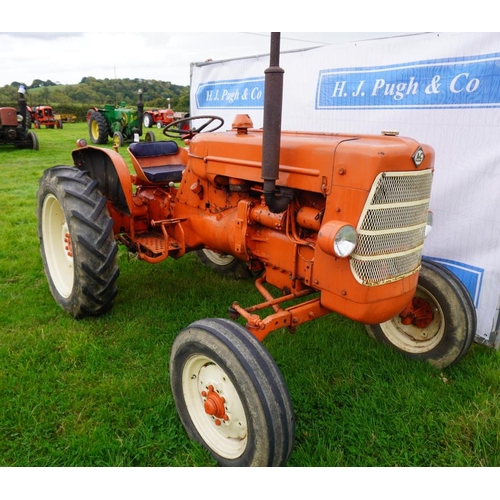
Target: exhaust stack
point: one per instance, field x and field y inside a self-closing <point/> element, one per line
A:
<point x="271" y="145"/>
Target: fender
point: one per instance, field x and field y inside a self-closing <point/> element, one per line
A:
<point x="110" y="170"/>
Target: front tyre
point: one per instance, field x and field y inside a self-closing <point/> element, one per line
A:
<point x="147" y="120"/>
<point x="118" y="140"/>
<point x="77" y="243"/>
<point x="439" y="326"/>
<point x="33" y="141"/>
<point x="150" y="136"/>
<point x="230" y="395"/>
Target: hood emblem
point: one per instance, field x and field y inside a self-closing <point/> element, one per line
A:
<point x="418" y="157"/>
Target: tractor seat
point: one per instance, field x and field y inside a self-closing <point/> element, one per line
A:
<point x="156" y="161"/>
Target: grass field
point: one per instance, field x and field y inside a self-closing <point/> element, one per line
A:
<point x="96" y="392"/>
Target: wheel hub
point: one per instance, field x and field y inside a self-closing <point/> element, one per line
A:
<point x="214" y="405"/>
<point x="67" y="245"/>
<point x="419" y="313"/>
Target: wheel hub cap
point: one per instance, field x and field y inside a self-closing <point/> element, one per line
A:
<point x="419" y="313"/>
<point x="214" y="405"/>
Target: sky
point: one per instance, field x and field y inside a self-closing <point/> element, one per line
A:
<point x="67" y="57"/>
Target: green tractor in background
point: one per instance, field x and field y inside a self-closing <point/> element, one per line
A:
<point x="120" y="123"/>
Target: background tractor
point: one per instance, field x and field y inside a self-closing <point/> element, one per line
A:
<point x="44" y="115"/>
<point x="120" y="123"/>
<point x="13" y="125"/>
<point x="158" y="117"/>
<point x="325" y="223"/>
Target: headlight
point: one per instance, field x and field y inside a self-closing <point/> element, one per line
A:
<point x="19" y="118"/>
<point x="337" y="238"/>
<point x="428" y="225"/>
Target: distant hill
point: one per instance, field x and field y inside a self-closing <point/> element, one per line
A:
<point x="91" y="92"/>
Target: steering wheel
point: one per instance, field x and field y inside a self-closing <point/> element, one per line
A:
<point x="184" y="129"/>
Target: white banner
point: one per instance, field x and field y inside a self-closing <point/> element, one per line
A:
<point x="442" y="89"/>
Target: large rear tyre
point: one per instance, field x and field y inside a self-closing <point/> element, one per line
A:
<point x="230" y="395"/>
<point x="77" y="243"/>
<point x="98" y="128"/>
<point x="443" y="323"/>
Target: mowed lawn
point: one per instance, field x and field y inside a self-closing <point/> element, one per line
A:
<point x="96" y="392"/>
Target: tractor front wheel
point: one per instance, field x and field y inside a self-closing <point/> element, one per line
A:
<point x="230" y="395"/>
<point x="77" y="243"/>
<point x="98" y="128"/>
<point x="32" y="141"/>
<point x="150" y="136"/>
<point x="118" y="140"/>
<point x="440" y="324"/>
<point x="147" y="120"/>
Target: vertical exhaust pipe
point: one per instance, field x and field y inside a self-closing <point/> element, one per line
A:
<point x="140" y="112"/>
<point x="271" y="144"/>
<point x="21" y="102"/>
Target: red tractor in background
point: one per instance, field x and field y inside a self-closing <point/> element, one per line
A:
<point x="14" y="125"/>
<point x="44" y="115"/>
<point x="325" y="222"/>
<point x="157" y="117"/>
<point x="161" y="117"/>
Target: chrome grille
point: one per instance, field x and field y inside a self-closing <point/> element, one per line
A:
<point x="392" y="227"/>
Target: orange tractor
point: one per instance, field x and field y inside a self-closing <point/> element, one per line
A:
<point x="44" y="115"/>
<point x="326" y="222"/>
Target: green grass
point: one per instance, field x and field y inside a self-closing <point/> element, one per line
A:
<point x="96" y="392"/>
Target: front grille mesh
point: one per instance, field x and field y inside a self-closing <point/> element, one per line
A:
<point x="392" y="227"/>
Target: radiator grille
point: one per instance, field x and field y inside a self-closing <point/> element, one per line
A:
<point x="392" y="227"/>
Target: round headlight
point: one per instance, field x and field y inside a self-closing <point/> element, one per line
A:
<point x="345" y="241"/>
<point x="338" y="238"/>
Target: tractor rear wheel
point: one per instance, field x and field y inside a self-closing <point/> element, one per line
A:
<point x="224" y="264"/>
<point x="98" y="128"/>
<point x="77" y="243"/>
<point x="444" y="320"/>
<point x="230" y="395"/>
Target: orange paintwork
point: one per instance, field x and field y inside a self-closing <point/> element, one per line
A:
<point x="218" y="204"/>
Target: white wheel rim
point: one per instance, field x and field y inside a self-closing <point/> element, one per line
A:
<point x="217" y="258"/>
<point x="57" y="246"/>
<point x="412" y="339"/>
<point x="226" y="436"/>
